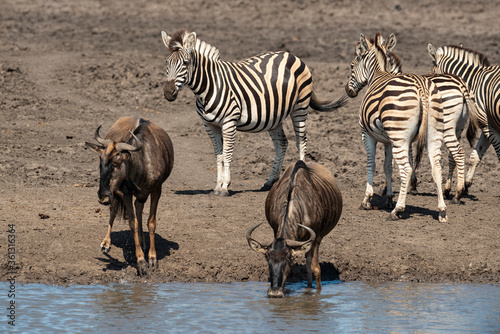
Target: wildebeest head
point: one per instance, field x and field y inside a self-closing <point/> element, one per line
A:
<point x="279" y="255"/>
<point x="114" y="165"/>
<point x="178" y="61"/>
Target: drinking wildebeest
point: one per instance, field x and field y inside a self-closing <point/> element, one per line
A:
<point x="302" y="207"/>
<point x="136" y="157"/>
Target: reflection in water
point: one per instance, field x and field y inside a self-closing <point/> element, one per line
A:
<point x="244" y="308"/>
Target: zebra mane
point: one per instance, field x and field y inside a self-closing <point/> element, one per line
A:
<point x="209" y="51"/>
<point x="177" y="42"/>
<point x="396" y="62"/>
<point x="474" y="57"/>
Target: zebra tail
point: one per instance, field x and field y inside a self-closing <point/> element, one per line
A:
<point x="422" y="130"/>
<point x="329" y="105"/>
<point x="473" y="119"/>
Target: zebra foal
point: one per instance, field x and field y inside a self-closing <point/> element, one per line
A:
<point x="483" y="81"/>
<point x="253" y="95"/>
<point x="396" y="110"/>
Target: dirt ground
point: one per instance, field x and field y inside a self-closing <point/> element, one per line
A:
<point x="67" y="67"/>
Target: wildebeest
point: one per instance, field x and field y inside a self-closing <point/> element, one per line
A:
<point x="136" y="157"/>
<point x="302" y="207"/>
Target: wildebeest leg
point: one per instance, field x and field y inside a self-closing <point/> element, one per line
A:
<point x="155" y="196"/>
<point x="106" y="242"/>
<point x="142" y="265"/>
<point x="139" y="208"/>
<point x="312" y="264"/>
<point x="280" y="145"/>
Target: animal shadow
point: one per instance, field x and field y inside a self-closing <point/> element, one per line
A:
<point x="298" y="273"/>
<point x="125" y="241"/>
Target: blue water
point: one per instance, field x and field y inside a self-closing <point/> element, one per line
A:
<point x="354" y="307"/>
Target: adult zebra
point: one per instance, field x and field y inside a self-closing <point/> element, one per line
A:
<point x="253" y="95"/>
<point x="483" y="81"/>
<point x="457" y="104"/>
<point x="396" y="110"/>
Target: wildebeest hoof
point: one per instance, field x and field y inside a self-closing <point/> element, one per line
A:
<point x="142" y="267"/>
<point x="153" y="264"/>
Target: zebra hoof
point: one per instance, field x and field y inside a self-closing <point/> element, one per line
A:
<point x="365" y="206"/>
<point x="443" y="217"/>
<point x="393" y="216"/>
<point x="266" y="187"/>
<point x="220" y="193"/>
<point x="455" y="200"/>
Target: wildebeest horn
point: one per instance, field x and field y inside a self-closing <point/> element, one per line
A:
<point x="249" y="236"/>
<point x="128" y="147"/>
<point x="294" y="243"/>
<point x="99" y="139"/>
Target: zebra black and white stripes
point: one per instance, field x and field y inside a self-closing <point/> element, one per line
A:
<point x="396" y="110"/>
<point x="253" y="95"/>
<point x="456" y="104"/>
<point x="483" y="81"/>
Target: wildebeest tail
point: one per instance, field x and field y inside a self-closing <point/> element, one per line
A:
<point x="329" y="105"/>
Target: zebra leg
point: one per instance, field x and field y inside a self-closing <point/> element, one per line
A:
<point x="456" y="157"/>
<point x="215" y="133"/>
<point x="371" y="148"/>
<point x="401" y="155"/>
<point x="228" y="137"/>
<point x="475" y="158"/>
<point x="388" y="176"/>
<point x="299" y="116"/>
<point x="434" y="150"/>
<point x="280" y="145"/>
<point x="451" y="169"/>
<point x="413" y="179"/>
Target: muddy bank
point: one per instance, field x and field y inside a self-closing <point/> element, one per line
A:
<point x="68" y="67"/>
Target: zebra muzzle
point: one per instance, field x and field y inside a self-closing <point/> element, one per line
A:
<point x="170" y="91"/>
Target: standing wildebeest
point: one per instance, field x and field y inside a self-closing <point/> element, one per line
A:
<point x="130" y="169"/>
<point x="306" y="196"/>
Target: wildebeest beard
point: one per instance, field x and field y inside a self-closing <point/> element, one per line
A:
<point x="127" y="187"/>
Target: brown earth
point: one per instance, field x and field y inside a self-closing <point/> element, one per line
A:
<point x="68" y="66"/>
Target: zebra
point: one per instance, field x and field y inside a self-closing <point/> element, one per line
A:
<point x="396" y="110"/>
<point x="483" y="82"/>
<point x="456" y="103"/>
<point x="254" y="95"/>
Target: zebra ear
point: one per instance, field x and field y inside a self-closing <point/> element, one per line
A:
<point x="432" y="52"/>
<point x="391" y="42"/>
<point x="362" y="46"/>
<point x="166" y="38"/>
<point x="189" y="40"/>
